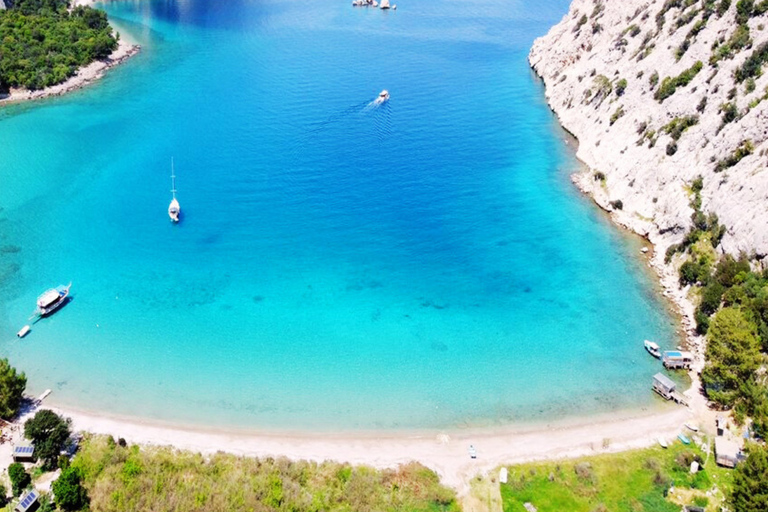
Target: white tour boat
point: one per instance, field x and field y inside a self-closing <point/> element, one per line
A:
<point x="383" y="96"/>
<point x="52" y="299"/>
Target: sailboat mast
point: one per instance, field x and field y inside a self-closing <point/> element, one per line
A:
<point x="173" y="180"/>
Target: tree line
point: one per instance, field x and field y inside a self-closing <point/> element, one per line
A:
<point x="43" y="42"/>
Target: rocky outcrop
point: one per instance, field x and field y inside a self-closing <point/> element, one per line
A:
<point x="604" y="66"/>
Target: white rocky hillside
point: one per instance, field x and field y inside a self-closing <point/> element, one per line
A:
<point x="604" y="65"/>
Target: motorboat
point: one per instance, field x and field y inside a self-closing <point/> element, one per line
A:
<point x="52" y="299"/>
<point x="383" y="96"/>
<point x="23" y="331"/>
<point x="652" y="349"/>
<point x="663" y="442"/>
<point x="174" y="209"/>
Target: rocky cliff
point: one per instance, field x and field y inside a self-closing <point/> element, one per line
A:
<point x="659" y="92"/>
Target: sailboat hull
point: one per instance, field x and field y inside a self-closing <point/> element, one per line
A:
<point x="174" y="210"/>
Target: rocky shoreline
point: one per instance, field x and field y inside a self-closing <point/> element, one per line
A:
<point x="604" y="67"/>
<point x="84" y="76"/>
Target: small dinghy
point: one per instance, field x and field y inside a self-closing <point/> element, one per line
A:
<point x="23" y="332"/>
<point x="683" y="439"/>
<point x="663" y="442"/>
<point x="691" y="426"/>
<point x="472" y="452"/>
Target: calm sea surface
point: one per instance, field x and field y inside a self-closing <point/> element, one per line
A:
<point x="421" y="264"/>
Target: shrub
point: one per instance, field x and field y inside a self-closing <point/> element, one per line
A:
<point x="670" y="84"/>
<point x="654" y="79"/>
<point x="752" y="67"/>
<point x="617" y="204"/>
<point x="599" y="176"/>
<point x="617" y="114"/>
<point x="621" y="86"/>
<point x="671" y="148"/>
<point x="678" y="125"/>
<point x="20" y="479"/>
<point x="746" y="148"/>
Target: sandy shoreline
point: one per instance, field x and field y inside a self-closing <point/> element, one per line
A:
<point x="446" y="453"/>
<point x="84" y="76"/>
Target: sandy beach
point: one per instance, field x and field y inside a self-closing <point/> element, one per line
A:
<point x="444" y="452"/>
<point x="84" y="76"/>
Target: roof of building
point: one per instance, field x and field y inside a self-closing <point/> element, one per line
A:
<point x="23" y="450"/>
<point x="726" y="448"/>
<point x="664" y="381"/>
<point x="27" y="501"/>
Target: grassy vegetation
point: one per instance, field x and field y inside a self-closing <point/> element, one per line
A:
<point x="127" y="478"/>
<point x="633" y="481"/>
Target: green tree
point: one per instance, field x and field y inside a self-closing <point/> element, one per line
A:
<point x="750" y="482"/>
<point x="48" y="432"/>
<point x="69" y="491"/>
<point x="20" y="479"/>
<point x="11" y="389"/>
<point x="3" y="495"/>
<point x="733" y="355"/>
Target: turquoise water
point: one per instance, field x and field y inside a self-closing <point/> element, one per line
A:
<point x="421" y="264"/>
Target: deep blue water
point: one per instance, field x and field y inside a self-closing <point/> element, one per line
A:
<point x="421" y="264"/>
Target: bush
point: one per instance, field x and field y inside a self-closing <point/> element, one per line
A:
<point x="669" y="85"/>
<point x="745" y="149"/>
<point x="20" y="479"/>
<point x="678" y="125"/>
<point x="752" y="67"/>
<point x="671" y="148"/>
<point x="621" y="86"/>
<point x="69" y="491"/>
<point x="617" y="204"/>
<point x="3" y="495"/>
<point x="12" y="387"/>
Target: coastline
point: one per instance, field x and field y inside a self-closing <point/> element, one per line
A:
<point x="84" y="76"/>
<point x="444" y="452"/>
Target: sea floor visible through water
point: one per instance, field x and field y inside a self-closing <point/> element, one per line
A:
<point x="339" y="265"/>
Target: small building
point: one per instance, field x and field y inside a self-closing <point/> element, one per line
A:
<point x="24" y="452"/>
<point x="28" y="502"/>
<point x="664" y="386"/>
<point x="727" y="453"/>
<point x="674" y="360"/>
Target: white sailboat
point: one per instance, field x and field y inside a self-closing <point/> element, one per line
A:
<point x="174" y="209"/>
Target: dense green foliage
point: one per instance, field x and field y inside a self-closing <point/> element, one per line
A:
<point x="733" y="355"/>
<point x="161" y="479"/>
<point x="633" y="481"/>
<point x="12" y="387"/>
<point x="48" y="432"/>
<point x="670" y="84"/>
<point x="69" y="491"/>
<point x="42" y="43"/>
<point x="705" y="227"/>
<point x="753" y="66"/>
<point x="20" y="479"/>
<point x="750" y="482"/>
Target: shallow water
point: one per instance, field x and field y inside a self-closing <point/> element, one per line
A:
<point x="339" y="265"/>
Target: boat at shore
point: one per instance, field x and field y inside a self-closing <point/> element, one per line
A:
<point x="52" y="299"/>
<point x="174" y="209"/>
<point x="652" y="349"/>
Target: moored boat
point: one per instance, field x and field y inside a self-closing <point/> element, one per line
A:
<point x="174" y="209"/>
<point x="23" y="331"/>
<point x="652" y="348"/>
<point x="663" y="442"/>
<point x="683" y="439"/>
<point x="52" y="299"/>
